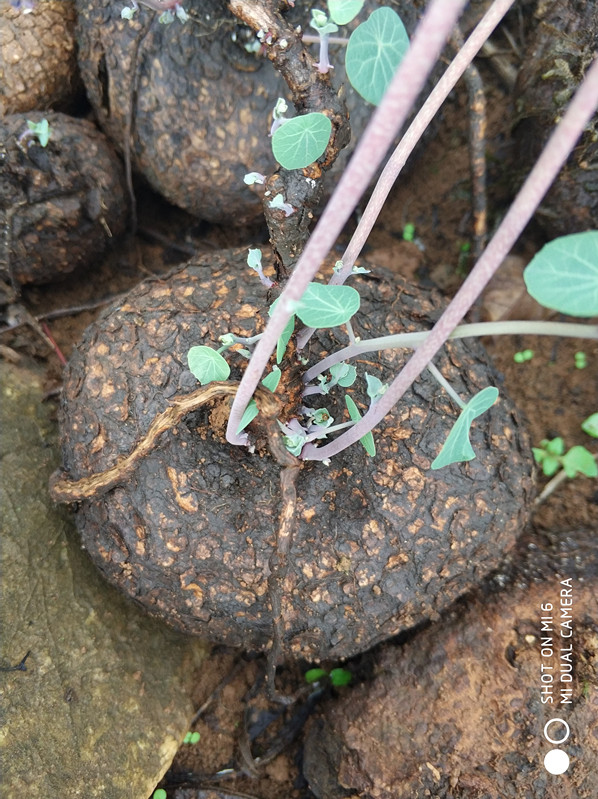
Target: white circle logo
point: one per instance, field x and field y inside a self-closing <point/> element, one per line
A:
<point x="556" y="740"/>
<point x="556" y="761"/>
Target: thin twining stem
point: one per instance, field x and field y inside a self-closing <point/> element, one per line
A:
<point x="559" y="146"/>
<point x="439" y="377"/>
<point x="405" y="147"/>
<point x="413" y="340"/>
<point x="387" y="120"/>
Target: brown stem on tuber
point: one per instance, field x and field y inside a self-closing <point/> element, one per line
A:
<point x="311" y="92"/>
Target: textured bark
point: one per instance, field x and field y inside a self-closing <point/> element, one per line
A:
<point x="458" y="712"/>
<point x="38" y="63"/>
<point x="379" y="544"/>
<point x="560" y="49"/>
<point x="59" y="205"/>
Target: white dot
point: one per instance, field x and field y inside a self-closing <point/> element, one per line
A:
<point x="556" y="761"/>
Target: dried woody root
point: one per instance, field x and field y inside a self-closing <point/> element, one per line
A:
<point x="64" y="490"/>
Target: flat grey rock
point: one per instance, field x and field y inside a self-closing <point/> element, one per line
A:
<point x="104" y="702"/>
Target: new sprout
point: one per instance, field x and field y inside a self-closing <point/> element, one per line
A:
<point x="319" y="21"/>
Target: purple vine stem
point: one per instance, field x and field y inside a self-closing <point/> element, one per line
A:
<point x="554" y="155"/>
<point x="405" y="147"/>
<point x="429" y="38"/>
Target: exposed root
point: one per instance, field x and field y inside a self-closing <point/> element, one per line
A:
<point x="64" y="490"/>
<point x="279" y="564"/>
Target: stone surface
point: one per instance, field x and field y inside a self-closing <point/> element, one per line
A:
<point x="104" y="701"/>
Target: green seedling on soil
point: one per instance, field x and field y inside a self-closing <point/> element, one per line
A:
<point x="523" y="356"/>
<point x="323" y="306"/>
<point x="191" y="738"/>
<point x="581" y="360"/>
<point x="337" y="677"/>
<point x="551" y="456"/>
<point x="323" y="26"/>
<point x="409" y="232"/>
<point x="562" y="276"/>
<point x="159" y="793"/>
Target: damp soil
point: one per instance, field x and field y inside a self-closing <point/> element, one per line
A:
<point x="240" y="731"/>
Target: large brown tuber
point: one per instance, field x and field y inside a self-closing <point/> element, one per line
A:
<point x="38" y="61"/>
<point x="379" y="544"/>
<point x="60" y="205"/>
<point x="195" y="107"/>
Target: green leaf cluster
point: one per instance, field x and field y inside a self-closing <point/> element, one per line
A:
<point x="551" y="456"/>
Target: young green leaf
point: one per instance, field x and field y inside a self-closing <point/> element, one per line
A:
<point x="550" y="463"/>
<point x="321" y="418"/>
<point x="251" y="411"/>
<point x="590" y="425"/>
<point x="321" y="23"/>
<point x="294" y="443"/>
<point x="254" y="258"/>
<point x="343" y="11"/>
<point x="457" y="446"/>
<point x="563" y="276"/>
<point x="301" y="140"/>
<point x="207" y="365"/>
<point x="375" y="387"/>
<point x="327" y="306"/>
<point x="368" y="440"/>
<point x="272" y="380"/>
<point x="42" y="130"/>
<point x="554" y="447"/>
<point x="313" y="675"/>
<point x="285" y="336"/>
<point x="375" y="50"/>
<point x="340" y="677"/>
<point x="579" y="460"/>
<point x="343" y="374"/>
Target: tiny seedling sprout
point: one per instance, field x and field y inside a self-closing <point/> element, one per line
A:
<point x="523" y="356"/>
<point x="35" y="130"/>
<point x="337" y="677"/>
